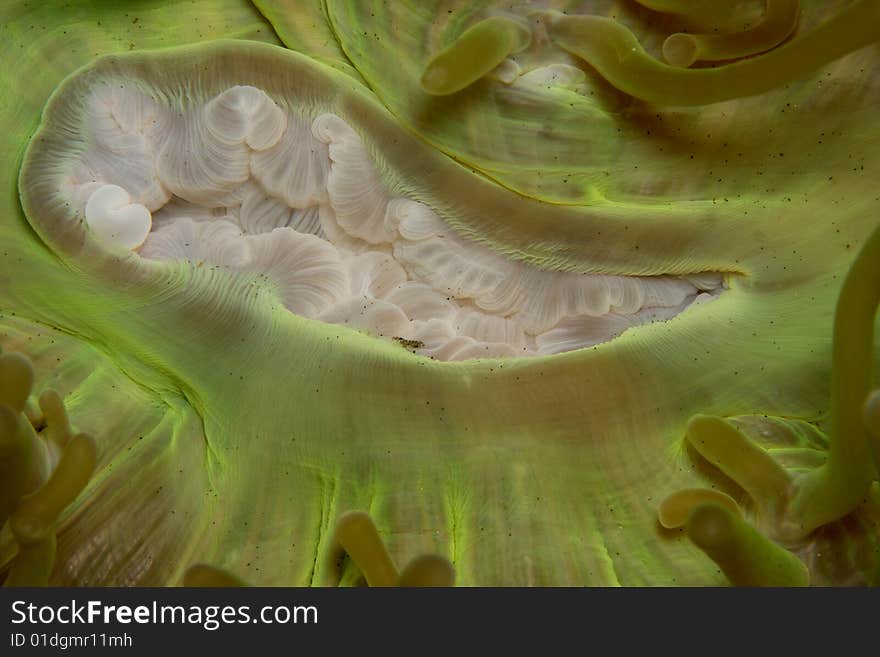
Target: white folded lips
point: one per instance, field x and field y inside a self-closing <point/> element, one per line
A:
<point x="115" y="220"/>
<point x="239" y="182"/>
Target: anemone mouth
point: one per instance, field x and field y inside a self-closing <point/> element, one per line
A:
<point x="128" y="172"/>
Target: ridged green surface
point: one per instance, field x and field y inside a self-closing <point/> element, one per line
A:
<point x="233" y="433"/>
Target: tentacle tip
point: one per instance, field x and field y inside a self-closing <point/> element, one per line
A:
<point x="698" y="424"/>
<point x="16" y="380"/>
<point x="29" y="528"/>
<point x="353" y="521"/>
<point x="435" y="80"/>
<point x="428" y="570"/>
<point x="680" y="50"/>
<point x="204" y="576"/>
<point x="48" y="397"/>
<point x="675" y="509"/>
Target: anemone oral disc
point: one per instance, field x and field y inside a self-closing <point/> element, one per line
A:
<point x="298" y="202"/>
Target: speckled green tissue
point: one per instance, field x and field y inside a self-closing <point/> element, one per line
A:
<point x="234" y="424"/>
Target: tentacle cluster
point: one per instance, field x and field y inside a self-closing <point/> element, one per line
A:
<point x="684" y="48"/>
<point x="798" y="477"/>
<point x="41" y="474"/>
<point x="357" y="535"/>
<point x="616" y="53"/>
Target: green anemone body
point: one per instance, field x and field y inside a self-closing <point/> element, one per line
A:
<point x="231" y="432"/>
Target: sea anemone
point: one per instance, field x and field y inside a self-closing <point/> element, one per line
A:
<point x="244" y="264"/>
